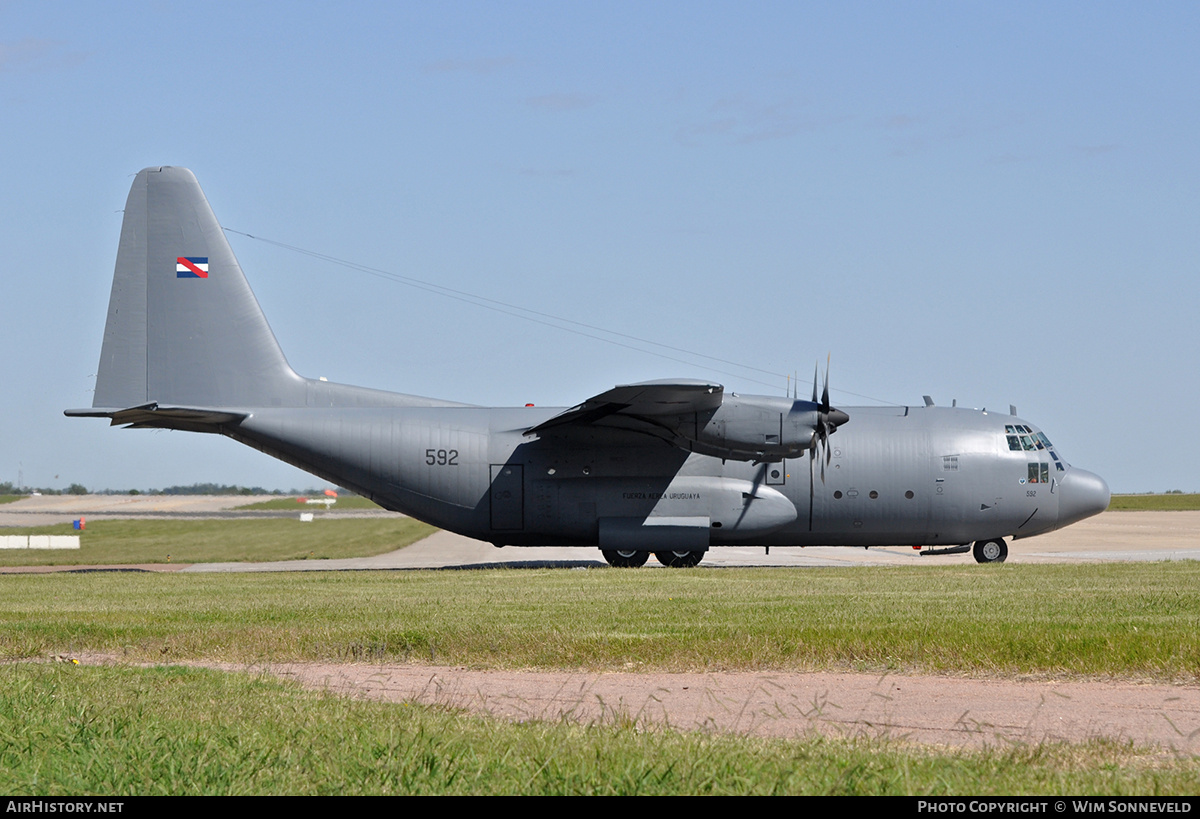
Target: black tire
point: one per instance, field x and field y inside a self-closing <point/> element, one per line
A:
<point x="990" y="551"/>
<point x="679" y="560"/>
<point x="623" y="559"/>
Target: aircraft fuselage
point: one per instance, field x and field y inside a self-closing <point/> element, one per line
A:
<point x="896" y="475"/>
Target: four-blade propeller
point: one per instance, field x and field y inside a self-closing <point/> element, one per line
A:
<point x="828" y="420"/>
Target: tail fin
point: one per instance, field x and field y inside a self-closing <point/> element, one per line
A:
<point x="183" y="326"/>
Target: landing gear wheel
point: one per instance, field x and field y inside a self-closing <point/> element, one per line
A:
<point x="990" y="551"/>
<point x="679" y="560"/>
<point x="623" y="559"/>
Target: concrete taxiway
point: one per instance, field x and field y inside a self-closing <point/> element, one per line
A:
<point x="1111" y="536"/>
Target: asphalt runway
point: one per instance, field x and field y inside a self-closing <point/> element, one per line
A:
<point x="1111" y="536"/>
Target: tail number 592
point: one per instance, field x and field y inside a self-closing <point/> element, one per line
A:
<point x="441" y="457"/>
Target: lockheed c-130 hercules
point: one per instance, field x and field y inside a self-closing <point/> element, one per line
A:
<point x="664" y="467"/>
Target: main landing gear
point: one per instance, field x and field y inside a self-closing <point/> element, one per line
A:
<point x="679" y="560"/>
<point x="990" y="551"/>
<point x="623" y="559"/>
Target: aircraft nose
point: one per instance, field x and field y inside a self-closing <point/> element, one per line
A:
<point x="1081" y="495"/>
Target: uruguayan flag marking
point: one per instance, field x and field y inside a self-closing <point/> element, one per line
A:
<point x="191" y="267"/>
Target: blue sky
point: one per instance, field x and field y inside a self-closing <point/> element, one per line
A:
<point x="995" y="203"/>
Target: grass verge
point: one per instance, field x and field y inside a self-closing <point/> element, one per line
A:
<point x="67" y="730"/>
<point x="1135" y="620"/>
<point x="106" y="542"/>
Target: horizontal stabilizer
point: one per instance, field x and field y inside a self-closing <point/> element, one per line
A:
<point x="152" y="415"/>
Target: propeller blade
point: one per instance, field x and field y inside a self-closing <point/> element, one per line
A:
<point x="825" y="393"/>
<point x="812" y="484"/>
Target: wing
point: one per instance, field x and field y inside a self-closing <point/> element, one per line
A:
<point x="697" y="416"/>
<point x="654" y="402"/>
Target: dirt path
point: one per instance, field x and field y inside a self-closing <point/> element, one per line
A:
<point x="932" y="710"/>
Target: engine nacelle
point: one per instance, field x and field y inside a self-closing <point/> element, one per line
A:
<point x="759" y="428"/>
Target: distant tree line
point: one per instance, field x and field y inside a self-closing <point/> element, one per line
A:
<point x="9" y="488"/>
<point x="216" y="489"/>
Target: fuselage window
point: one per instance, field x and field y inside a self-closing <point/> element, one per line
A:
<point x="1034" y="472"/>
<point x="1060" y="467"/>
<point x="1045" y="473"/>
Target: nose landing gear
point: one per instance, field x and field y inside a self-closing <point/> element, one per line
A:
<point x="990" y="551"/>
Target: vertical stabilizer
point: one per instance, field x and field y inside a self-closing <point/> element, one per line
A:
<point x="183" y="326"/>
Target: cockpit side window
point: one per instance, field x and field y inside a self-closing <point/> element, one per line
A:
<point x="1014" y="443"/>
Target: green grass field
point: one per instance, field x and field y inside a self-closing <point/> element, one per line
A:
<point x="68" y="729"/>
<point x="11" y="498"/>
<point x="107" y="542"/>
<point x="1119" y="620"/>
<point x="1155" y="503"/>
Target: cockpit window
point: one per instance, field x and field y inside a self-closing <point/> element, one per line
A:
<point x="1022" y="438"/>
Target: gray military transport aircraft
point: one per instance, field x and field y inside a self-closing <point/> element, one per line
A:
<point x="664" y="467"/>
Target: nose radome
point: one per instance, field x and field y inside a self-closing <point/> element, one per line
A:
<point x="1081" y="495"/>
